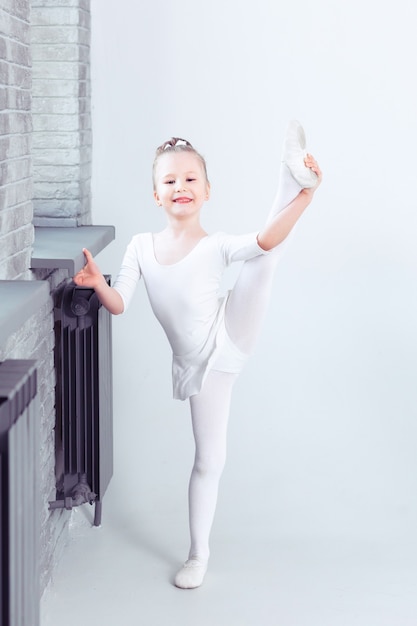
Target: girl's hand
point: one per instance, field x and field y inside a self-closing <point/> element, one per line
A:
<point x="311" y="162"/>
<point x="90" y="275"/>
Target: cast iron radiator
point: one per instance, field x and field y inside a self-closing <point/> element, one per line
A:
<point x="84" y="405"/>
<point x="19" y="494"/>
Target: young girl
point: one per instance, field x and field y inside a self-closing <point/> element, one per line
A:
<point x="211" y="336"/>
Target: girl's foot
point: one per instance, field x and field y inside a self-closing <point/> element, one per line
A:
<point x="294" y="153"/>
<point x="191" y="574"/>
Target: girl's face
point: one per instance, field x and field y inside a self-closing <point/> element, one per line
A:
<point x="181" y="186"/>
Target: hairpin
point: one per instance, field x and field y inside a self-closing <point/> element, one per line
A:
<point x="178" y="142"/>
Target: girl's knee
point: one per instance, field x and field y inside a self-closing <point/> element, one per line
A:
<point x="210" y="465"/>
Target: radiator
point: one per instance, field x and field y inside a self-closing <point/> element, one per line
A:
<point x="84" y="404"/>
<point x="19" y="494"/>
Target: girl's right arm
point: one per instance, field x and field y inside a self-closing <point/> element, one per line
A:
<point x="91" y="276"/>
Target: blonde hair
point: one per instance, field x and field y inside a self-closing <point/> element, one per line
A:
<point x="176" y="144"/>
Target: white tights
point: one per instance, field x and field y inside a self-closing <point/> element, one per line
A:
<point x="245" y="311"/>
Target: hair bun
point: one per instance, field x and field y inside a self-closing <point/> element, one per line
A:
<point x="172" y="143"/>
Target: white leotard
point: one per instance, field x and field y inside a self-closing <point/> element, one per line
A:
<point x="185" y="297"/>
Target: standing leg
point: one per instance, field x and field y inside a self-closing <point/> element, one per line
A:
<point x="210" y="412"/>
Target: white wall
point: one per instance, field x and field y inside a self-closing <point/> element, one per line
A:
<point x="323" y="431"/>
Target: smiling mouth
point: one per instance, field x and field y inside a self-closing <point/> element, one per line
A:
<point x="182" y="200"/>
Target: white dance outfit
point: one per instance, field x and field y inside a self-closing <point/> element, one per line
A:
<point x="211" y="336"/>
<point x="185" y="298"/>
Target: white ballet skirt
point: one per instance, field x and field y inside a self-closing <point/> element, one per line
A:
<point x="185" y="297"/>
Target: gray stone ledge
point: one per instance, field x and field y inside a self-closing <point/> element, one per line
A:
<point x="19" y="300"/>
<point x="61" y="248"/>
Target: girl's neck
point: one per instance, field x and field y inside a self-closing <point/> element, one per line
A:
<point x="180" y="229"/>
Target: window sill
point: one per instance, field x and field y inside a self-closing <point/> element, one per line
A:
<point x="61" y="248"/>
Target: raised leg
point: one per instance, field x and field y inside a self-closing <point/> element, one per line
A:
<point x="249" y="299"/>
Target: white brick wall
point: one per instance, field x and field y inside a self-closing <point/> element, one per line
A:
<point x="61" y="112"/>
<point x="16" y="211"/>
<point x="45" y="162"/>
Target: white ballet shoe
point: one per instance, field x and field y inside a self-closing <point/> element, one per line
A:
<point x="191" y="574"/>
<point x="293" y="154"/>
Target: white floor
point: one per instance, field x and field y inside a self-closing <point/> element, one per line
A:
<point x="121" y="573"/>
<point x="317" y="518"/>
